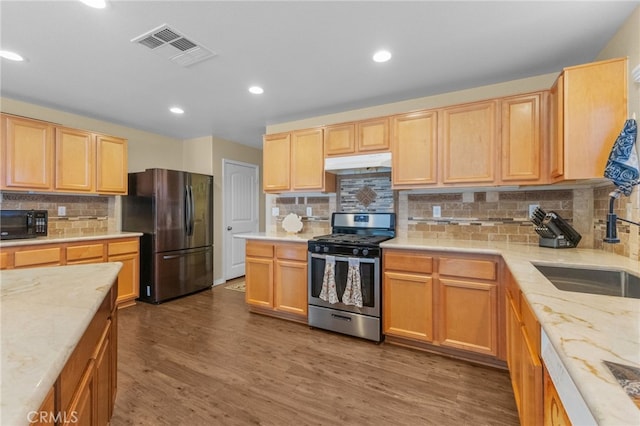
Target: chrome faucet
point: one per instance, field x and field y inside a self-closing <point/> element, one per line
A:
<point x="611" y="236"/>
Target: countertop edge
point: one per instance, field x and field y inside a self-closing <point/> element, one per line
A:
<point x="63" y="239"/>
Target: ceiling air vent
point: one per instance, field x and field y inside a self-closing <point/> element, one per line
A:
<point x="174" y="46"/>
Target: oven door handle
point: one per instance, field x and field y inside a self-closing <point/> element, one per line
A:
<point x="345" y="259"/>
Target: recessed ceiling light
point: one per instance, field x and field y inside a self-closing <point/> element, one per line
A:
<point x="97" y="4"/>
<point x="382" y="56"/>
<point x="12" y="56"/>
<point x="176" y="110"/>
<point x="256" y="90"/>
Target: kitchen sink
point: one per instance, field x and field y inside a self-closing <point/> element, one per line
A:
<point x="608" y="282"/>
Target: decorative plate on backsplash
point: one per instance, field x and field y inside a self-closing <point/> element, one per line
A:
<point x="292" y="223"/>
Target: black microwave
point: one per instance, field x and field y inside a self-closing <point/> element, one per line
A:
<point x="16" y="224"/>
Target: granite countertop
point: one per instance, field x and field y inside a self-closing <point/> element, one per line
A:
<point x="584" y="329"/>
<point x="61" y="239"/>
<point x="45" y="312"/>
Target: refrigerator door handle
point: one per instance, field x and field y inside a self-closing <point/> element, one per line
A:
<point x="192" y="210"/>
<point x="187" y="210"/>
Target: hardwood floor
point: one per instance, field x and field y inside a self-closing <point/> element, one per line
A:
<point x="205" y="360"/>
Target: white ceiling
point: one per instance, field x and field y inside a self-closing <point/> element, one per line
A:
<point x="312" y="58"/>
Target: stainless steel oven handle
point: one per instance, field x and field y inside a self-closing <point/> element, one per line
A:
<point x="345" y="259"/>
<point x="341" y="317"/>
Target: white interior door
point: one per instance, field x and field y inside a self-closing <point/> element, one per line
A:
<point x="240" y="212"/>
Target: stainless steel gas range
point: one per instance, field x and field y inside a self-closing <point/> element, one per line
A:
<point x="345" y="274"/>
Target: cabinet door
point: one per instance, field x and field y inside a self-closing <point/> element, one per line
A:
<point x="468" y="319"/>
<point x="514" y="351"/>
<point x="75" y="160"/>
<point x="339" y="140"/>
<point x="291" y="287"/>
<point x="128" y="278"/>
<point x="413" y="147"/>
<point x="82" y="410"/>
<point x="27" y="154"/>
<point x="45" y="416"/>
<point x="111" y="165"/>
<point x="373" y="135"/>
<point x="532" y="399"/>
<point x="554" y="412"/>
<point x="276" y="162"/>
<point x="408" y="306"/>
<point x="521" y="138"/>
<point x="259" y="281"/>
<point x="307" y="160"/>
<point x="6" y="260"/>
<point x="595" y="109"/>
<point x="103" y="377"/>
<point x="469" y="143"/>
<point x="556" y="129"/>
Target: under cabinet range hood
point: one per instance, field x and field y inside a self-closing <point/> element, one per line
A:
<point x="355" y="162"/>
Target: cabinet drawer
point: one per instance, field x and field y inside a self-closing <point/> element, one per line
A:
<point x="5" y="260"/>
<point x="255" y="249"/>
<point x="469" y="268"/>
<point x="408" y="261"/>
<point x="292" y="251"/>
<point x="89" y="251"/>
<point x="37" y="257"/>
<point x="123" y="247"/>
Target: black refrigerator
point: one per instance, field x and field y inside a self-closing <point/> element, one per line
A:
<point x="174" y="212"/>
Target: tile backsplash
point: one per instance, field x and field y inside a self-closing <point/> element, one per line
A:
<point x="368" y="192"/>
<point x="85" y="215"/>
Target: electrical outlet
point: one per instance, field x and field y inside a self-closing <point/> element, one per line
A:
<point x="309" y="212"/>
<point x="532" y="208"/>
<point x="275" y="211"/>
<point x="437" y="212"/>
<point x="62" y="211"/>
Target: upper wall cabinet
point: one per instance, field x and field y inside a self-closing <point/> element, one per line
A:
<point x="39" y="156"/>
<point x="469" y="143"/>
<point x="414" y="139"/>
<point x="295" y="162"/>
<point x="360" y="137"/>
<point x="589" y="107"/>
<point x="522" y="138"/>
<point x="27" y="154"/>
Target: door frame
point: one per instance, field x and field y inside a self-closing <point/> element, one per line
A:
<point x="223" y="228"/>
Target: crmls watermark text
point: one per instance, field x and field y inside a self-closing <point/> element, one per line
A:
<point x="60" y="417"/>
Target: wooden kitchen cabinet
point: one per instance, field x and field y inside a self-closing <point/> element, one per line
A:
<point x="408" y="295"/>
<point x="414" y="139"/>
<point x="276" y="162"/>
<point x="111" y="165"/>
<point x="522" y="137"/>
<point x="588" y="109"/>
<point x="295" y="162"/>
<point x="468" y="292"/>
<point x="469" y="143"/>
<point x="523" y="359"/>
<point x="39" y="156"/>
<point x="554" y="412"/>
<point x="126" y="251"/>
<point x="75" y="160"/>
<point x="43" y="418"/>
<point x="276" y="279"/>
<point x="85" y="389"/>
<point x="361" y="137"/>
<point x="27" y="154"/>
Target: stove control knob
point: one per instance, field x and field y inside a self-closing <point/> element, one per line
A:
<point x="325" y="249"/>
<point x="318" y="248"/>
<point x="365" y="252"/>
<point x="355" y="251"/>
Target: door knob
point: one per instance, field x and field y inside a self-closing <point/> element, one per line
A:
<point x="229" y="228"/>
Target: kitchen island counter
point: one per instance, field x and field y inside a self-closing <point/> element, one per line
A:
<point x="45" y="312"/>
<point x="584" y="329"/>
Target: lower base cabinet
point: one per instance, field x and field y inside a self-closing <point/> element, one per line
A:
<point x="554" y="412"/>
<point x="125" y="250"/>
<point x="276" y="279"/>
<point x="84" y="393"/>
<point x="443" y="302"/>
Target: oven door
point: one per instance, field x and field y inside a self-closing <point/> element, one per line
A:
<point x="369" y="281"/>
